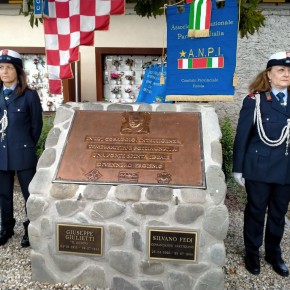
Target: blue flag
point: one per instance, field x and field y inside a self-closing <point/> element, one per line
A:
<point x="152" y="89"/>
<point x="38" y="8"/>
<point x="45" y="8"/>
<point x="202" y="68"/>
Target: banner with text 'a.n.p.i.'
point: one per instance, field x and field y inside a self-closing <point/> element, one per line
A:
<point x="202" y="68"/>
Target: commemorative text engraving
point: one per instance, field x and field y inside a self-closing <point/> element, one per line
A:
<point x="133" y="147"/>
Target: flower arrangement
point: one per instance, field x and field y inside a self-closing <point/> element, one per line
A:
<point x="35" y="61"/>
<point x="129" y="62"/>
<point x="128" y="90"/>
<point x="115" y="76"/>
<point x="129" y="77"/>
<point x="38" y="60"/>
<point x="116" y="63"/>
<point x="116" y="90"/>
<point x="145" y="64"/>
<point x="49" y="104"/>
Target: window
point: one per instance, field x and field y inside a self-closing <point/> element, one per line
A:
<point x="35" y="68"/>
<point x="120" y="72"/>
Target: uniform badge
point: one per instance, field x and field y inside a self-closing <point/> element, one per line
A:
<point x="268" y="96"/>
<point x="5" y="52"/>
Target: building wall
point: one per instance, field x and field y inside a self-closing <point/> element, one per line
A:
<point x="135" y="31"/>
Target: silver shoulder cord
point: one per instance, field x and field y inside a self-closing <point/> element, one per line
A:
<point x="285" y="133"/>
<point x="4" y="124"/>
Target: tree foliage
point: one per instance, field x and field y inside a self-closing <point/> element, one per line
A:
<point x="251" y="18"/>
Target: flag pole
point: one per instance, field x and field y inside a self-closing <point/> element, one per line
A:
<point x="76" y="83"/>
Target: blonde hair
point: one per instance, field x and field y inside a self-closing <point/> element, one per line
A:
<point x="261" y="82"/>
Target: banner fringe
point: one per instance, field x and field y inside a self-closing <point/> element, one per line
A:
<point x="162" y="81"/>
<point x="191" y="32"/>
<point x="235" y="80"/>
<point x="198" y="33"/>
<point x="200" y="98"/>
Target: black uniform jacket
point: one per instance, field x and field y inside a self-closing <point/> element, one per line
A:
<point x="18" y="149"/>
<point x="256" y="160"/>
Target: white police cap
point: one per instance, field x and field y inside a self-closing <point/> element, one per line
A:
<point x="10" y="56"/>
<point x="279" y="58"/>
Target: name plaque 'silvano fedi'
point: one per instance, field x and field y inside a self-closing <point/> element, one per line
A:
<point x="172" y="245"/>
<point x="146" y="148"/>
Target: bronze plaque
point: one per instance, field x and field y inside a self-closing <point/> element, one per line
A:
<point x="172" y="245"/>
<point x="147" y="148"/>
<point x="76" y="239"/>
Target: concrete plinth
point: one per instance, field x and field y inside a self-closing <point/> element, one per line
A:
<point x="125" y="212"/>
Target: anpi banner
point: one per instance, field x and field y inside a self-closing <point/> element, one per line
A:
<point x="202" y="68"/>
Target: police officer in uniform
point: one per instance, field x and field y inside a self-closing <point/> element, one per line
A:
<point x="261" y="162"/>
<point x="20" y="129"/>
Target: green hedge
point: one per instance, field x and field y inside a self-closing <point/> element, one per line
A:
<point x="227" y="142"/>
<point x="47" y="125"/>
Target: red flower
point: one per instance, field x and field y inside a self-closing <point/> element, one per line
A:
<point x="115" y="76"/>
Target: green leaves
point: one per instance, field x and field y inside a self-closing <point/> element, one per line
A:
<point x="251" y="18"/>
<point x="149" y="7"/>
<point x="227" y="142"/>
<point x="47" y="126"/>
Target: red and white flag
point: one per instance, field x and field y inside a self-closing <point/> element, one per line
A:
<point x="72" y="23"/>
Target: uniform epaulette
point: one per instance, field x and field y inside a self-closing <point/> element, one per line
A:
<point x="252" y="96"/>
<point x="268" y="96"/>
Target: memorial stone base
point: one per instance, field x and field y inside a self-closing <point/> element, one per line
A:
<point x="125" y="213"/>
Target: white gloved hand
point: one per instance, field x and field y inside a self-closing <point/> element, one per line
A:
<point x="239" y="178"/>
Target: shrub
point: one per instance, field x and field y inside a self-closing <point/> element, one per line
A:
<point x="227" y="142"/>
<point x="47" y="125"/>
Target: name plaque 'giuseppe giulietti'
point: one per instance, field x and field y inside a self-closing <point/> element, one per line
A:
<point x="80" y="239"/>
<point x="146" y="148"/>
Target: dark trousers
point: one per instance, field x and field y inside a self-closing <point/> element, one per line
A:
<point x="263" y="198"/>
<point x="6" y="194"/>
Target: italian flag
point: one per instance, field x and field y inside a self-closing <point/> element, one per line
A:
<point x="199" y="18"/>
<point x="203" y="62"/>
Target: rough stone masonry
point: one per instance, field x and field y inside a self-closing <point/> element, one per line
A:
<point x="125" y="212"/>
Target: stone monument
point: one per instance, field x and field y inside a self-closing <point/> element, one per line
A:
<point x="145" y="210"/>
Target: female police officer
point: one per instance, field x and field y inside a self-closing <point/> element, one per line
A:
<point x="262" y="162"/>
<point x="20" y="129"/>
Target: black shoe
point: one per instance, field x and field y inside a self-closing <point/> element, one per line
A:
<point x="252" y="264"/>
<point x="278" y="266"/>
<point x="25" y="241"/>
<point x="5" y="235"/>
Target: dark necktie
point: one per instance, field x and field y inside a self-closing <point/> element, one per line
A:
<point x="281" y="99"/>
<point x="7" y="93"/>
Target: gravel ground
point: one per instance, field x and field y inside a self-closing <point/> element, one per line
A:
<point x="15" y="266"/>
